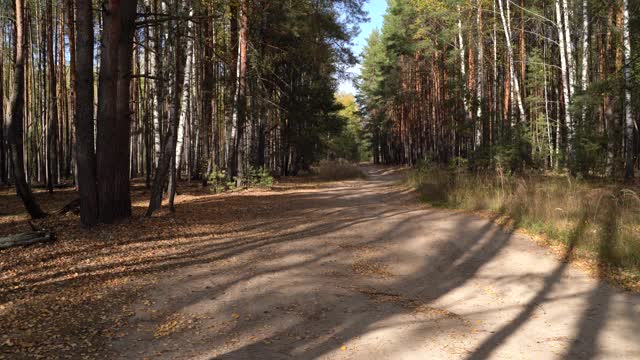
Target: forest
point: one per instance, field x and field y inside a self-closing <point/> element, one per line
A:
<point x="542" y="85"/>
<point x="104" y="92"/>
<point x="319" y="179"/>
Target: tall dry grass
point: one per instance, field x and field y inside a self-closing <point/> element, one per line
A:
<point x="603" y="219"/>
<point x="335" y="170"/>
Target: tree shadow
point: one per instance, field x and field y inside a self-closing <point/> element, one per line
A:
<point x="488" y="346"/>
<point x="468" y="246"/>
<point x="585" y="344"/>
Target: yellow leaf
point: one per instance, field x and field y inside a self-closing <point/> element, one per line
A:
<point x="235" y="316"/>
<point x="343" y="348"/>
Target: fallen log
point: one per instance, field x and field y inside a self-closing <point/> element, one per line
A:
<point x="72" y="207"/>
<point x="25" y="239"/>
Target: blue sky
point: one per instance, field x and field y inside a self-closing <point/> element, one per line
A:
<point x="376" y="10"/>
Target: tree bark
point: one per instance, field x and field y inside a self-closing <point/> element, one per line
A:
<point x="506" y="23"/>
<point x="15" y="125"/>
<point x="52" y="123"/>
<point x="480" y="123"/>
<point x="3" y="159"/>
<point x="463" y="68"/>
<point x="85" y="153"/>
<point x="628" y="112"/>
<point x="114" y="127"/>
<point x="205" y="162"/>
<point x="168" y="153"/>
<point x="71" y="30"/>
<point x="242" y="95"/>
<point x="566" y="83"/>
<point x="25" y="239"/>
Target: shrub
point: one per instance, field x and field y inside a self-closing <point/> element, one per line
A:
<point x="259" y="177"/>
<point x="334" y="170"/>
<point x="218" y="180"/>
<point x="256" y="178"/>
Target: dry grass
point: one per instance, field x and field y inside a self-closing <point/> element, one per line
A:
<point x="336" y="170"/>
<point x="602" y="220"/>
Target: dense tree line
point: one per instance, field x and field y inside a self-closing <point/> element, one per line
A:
<point x="99" y="92"/>
<point x="543" y="84"/>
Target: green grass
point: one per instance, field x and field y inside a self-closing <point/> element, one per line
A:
<point x="601" y="220"/>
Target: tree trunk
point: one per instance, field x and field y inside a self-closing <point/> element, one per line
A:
<point x="114" y="126"/>
<point x="242" y="97"/>
<point x="85" y="153"/>
<point x="3" y="159"/>
<point x="566" y="85"/>
<point x="71" y="29"/>
<point x="205" y="162"/>
<point x="463" y="68"/>
<point x="629" y="122"/>
<point x="585" y="51"/>
<point x="169" y="149"/>
<point x="52" y="123"/>
<point x="158" y="66"/>
<point x="15" y="125"/>
<point x="480" y="123"/>
<point x="507" y="33"/>
<point x="233" y="86"/>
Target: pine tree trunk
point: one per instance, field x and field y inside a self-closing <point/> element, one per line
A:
<point x="85" y="153"/>
<point x="3" y="159"/>
<point x="206" y="119"/>
<point x="628" y="112"/>
<point x="16" y="118"/>
<point x="52" y="121"/>
<point x="481" y="127"/>
<point x="113" y="146"/>
<point x="71" y="28"/>
<point x="231" y="107"/>
<point x="242" y="97"/>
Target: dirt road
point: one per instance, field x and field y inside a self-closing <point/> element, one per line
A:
<point x="361" y="270"/>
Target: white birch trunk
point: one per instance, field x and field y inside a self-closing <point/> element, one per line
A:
<point x="569" y="48"/>
<point x="463" y="69"/>
<point x="585" y="52"/>
<point x="566" y="87"/>
<point x="506" y="23"/>
<point x="186" y="91"/>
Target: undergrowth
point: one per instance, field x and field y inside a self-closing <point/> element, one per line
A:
<point x="334" y="170"/>
<point x="255" y="178"/>
<point x="601" y="220"/>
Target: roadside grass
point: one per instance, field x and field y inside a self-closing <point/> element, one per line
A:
<point x="335" y="170"/>
<point x="552" y="207"/>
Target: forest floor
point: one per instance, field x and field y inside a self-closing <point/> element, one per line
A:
<point x="343" y="270"/>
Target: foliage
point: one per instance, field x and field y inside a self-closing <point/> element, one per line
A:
<point x="425" y="92"/>
<point x="351" y="142"/>
<point x="256" y="178"/>
<point x="260" y="178"/>
<point x="218" y="181"/>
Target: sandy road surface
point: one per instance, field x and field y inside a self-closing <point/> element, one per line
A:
<point x="361" y="270"/>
